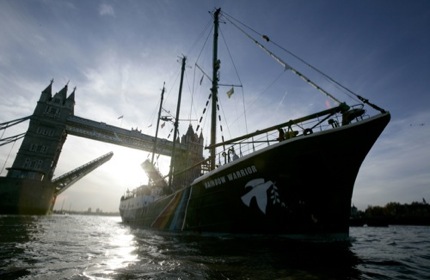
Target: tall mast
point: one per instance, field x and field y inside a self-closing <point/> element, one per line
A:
<point x="176" y="122"/>
<point x="214" y="90"/>
<point x="158" y="122"/>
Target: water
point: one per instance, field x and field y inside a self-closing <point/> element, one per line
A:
<point x="94" y="247"/>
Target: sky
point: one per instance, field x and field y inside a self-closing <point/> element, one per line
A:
<point x="118" y="55"/>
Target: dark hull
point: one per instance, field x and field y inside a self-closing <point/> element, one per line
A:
<point x="25" y="197"/>
<point x="300" y="187"/>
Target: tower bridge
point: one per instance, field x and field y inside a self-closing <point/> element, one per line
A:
<point x="29" y="186"/>
<point x="101" y="131"/>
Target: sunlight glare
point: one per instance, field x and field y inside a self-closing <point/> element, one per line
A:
<point x="123" y="252"/>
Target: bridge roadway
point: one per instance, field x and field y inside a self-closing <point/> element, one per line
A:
<point x="115" y="135"/>
<point x="66" y="180"/>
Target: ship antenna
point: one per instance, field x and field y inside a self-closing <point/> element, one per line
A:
<point x="214" y="90"/>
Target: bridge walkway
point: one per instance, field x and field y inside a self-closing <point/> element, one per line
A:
<point x="101" y="131"/>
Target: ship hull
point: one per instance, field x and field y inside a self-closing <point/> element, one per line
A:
<point x="300" y="187"/>
<point x="25" y="197"/>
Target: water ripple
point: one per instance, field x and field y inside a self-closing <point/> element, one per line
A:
<point x="91" y="247"/>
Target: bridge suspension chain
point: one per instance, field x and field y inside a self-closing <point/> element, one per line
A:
<point x="13" y="122"/>
<point x="10" y="139"/>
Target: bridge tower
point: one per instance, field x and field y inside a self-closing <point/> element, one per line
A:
<point x="187" y="162"/>
<point x="40" y="150"/>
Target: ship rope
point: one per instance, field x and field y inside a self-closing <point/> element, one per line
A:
<point x="238" y="77"/>
<point x="203" y="113"/>
<point x="220" y="122"/>
<point x="286" y="65"/>
<point x="202" y="119"/>
<point x="196" y="66"/>
<point x="345" y="89"/>
<point x="168" y="118"/>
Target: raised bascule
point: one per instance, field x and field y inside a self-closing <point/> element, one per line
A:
<point x="29" y="186"/>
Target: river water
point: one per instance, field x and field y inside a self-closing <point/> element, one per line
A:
<point x="96" y="247"/>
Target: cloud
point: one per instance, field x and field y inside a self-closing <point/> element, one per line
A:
<point x="120" y="66"/>
<point x="396" y="169"/>
<point x="106" y="10"/>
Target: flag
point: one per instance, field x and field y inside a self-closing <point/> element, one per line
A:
<point x="230" y="92"/>
<point x="120" y="117"/>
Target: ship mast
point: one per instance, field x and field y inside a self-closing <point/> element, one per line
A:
<point x="158" y="122"/>
<point x="214" y="89"/>
<point x="175" y="133"/>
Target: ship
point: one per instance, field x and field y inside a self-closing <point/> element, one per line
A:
<point x="299" y="184"/>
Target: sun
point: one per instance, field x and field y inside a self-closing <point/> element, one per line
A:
<point x="125" y="167"/>
<point x="104" y="186"/>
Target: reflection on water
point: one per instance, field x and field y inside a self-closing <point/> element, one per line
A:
<point x="64" y="247"/>
<point x="91" y="247"/>
<point x="115" y="249"/>
<point x="166" y="256"/>
<point x="13" y="233"/>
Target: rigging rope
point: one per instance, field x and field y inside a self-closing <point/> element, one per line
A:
<point x="285" y="65"/>
<point x="209" y="24"/>
<point x="220" y="125"/>
<point x="348" y="92"/>
<point x="238" y="77"/>
<point x="204" y="111"/>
